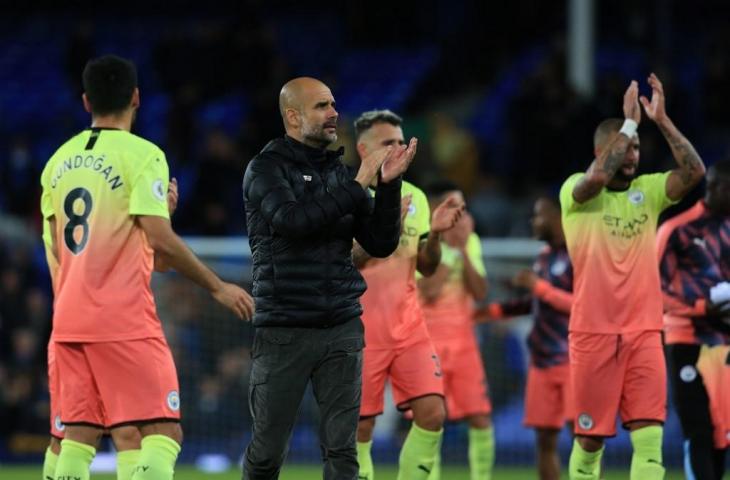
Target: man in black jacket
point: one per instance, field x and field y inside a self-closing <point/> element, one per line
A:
<point x="303" y="210"/>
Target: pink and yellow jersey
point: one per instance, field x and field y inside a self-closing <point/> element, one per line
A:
<point x="94" y="185"/>
<point x="451" y="314"/>
<point x="611" y="241"/>
<point x="391" y="310"/>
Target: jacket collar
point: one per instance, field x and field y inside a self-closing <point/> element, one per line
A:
<point x="306" y="153"/>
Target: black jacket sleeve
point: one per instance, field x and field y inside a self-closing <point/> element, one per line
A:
<point x="268" y="189"/>
<point x="378" y="232"/>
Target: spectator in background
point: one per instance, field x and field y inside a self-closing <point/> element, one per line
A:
<point x="215" y="198"/>
<point x="454" y="152"/>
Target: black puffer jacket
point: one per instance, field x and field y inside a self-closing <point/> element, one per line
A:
<point x="303" y="208"/>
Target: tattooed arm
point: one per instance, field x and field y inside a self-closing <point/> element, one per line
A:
<point x="691" y="169"/>
<point x="611" y="155"/>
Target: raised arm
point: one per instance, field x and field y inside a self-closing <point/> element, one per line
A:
<point x="443" y="218"/>
<point x="691" y="168"/>
<point x="611" y="156"/>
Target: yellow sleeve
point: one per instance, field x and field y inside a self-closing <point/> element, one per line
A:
<point x="46" y="200"/>
<point x="149" y="188"/>
<point x="567" y="202"/>
<point x="474" y="252"/>
<point x="423" y="213"/>
<point x="655" y="185"/>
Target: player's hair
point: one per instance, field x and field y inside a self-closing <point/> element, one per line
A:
<point x="605" y="129"/>
<point x="551" y="199"/>
<point x="365" y="121"/>
<point x="109" y="83"/>
<point x="440" y="187"/>
<point x="721" y="168"/>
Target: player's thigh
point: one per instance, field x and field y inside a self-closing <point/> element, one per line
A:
<point x="415" y="372"/>
<point x="137" y="380"/>
<point x="596" y="374"/>
<point x="465" y="382"/>
<point x="376" y="364"/>
<point x="54" y="393"/>
<point x="544" y="402"/>
<point x="644" y="395"/>
<point x="80" y="400"/>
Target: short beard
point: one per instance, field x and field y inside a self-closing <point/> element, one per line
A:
<point x="622" y="177"/>
<point x="320" y="137"/>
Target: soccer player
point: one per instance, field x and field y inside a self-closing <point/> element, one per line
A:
<point x="126" y="439"/>
<point x="104" y="195"/>
<point x="397" y="344"/>
<point x="447" y="299"/>
<point x="694" y="258"/>
<point x="609" y="217"/>
<point x="548" y="399"/>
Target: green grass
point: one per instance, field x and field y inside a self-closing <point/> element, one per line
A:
<point x="296" y="472"/>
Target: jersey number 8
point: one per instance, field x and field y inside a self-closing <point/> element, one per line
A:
<point x="76" y="220"/>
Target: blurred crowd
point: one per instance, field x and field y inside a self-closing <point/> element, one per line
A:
<point x="502" y="132"/>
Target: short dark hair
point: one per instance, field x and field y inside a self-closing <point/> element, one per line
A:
<point x="720" y="168"/>
<point x="605" y="129"/>
<point x="553" y="200"/>
<point x="365" y="121"/>
<point x="109" y="83"/>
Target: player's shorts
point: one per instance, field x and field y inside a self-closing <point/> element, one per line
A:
<point x="54" y="392"/>
<point x="465" y="383"/>
<point x="715" y="370"/>
<point x="112" y="383"/>
<point x="548" y="398"/>
<point x="613" y="374"/>
<point x="414" y="371"/>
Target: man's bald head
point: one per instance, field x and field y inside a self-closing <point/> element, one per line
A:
<point x="307" y="108"/>
<point x="295" y="90"/>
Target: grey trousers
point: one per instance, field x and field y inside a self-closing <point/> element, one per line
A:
<point x="285" y="360"/>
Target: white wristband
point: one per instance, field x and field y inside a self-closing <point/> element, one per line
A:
<point x="629" y="128"/>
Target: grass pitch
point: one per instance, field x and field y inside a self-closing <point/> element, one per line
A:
<point x="301" y="472"/>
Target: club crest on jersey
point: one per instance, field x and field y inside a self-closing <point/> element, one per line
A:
<point x="411" y="209"/>
<point x="158" y="190"/>
<point x="636" y="197"/>
<point x="687" y="373"/>
<point x="585" y="421"/>
<point x="58" y="424"/>
<point x="173" y="401"/>
<point x="307" y="178"/>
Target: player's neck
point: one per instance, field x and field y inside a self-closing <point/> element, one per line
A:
<point x="557" y="239"/>
<point x="119" y="122"/>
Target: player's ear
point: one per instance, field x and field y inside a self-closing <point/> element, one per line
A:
<point x="362" y="150"/>
<point x="135" y="98"/>
<point x="87" y="105"/>
<point x="292" y="117"/>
